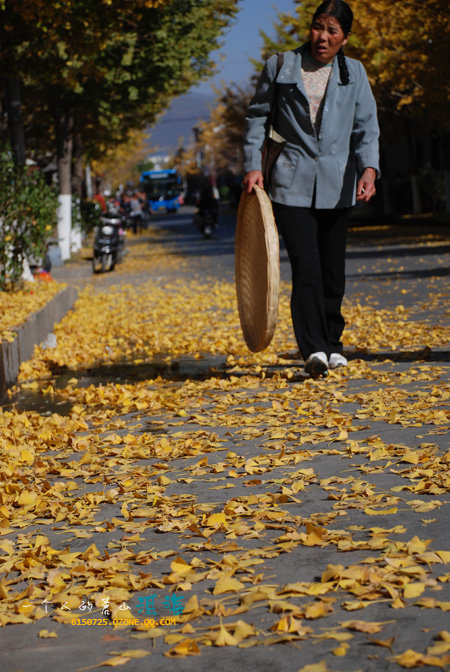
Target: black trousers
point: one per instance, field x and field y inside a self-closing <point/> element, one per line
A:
<point x="315" y="242"/>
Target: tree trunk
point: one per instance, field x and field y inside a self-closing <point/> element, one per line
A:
<point x="63" y="130"/>
<point x="76" y="238"/>
<point x="444" y="161"/>
<point x="416" y="197"/>
<point x="88" y="182"/>
<point x="384" y="184"/>
<point x="77" y="172"/>
<point x="415" y="191"/>
<point x="3" y="118"/>
<point x="15" y="121"/>
<point x="447" y="191"/>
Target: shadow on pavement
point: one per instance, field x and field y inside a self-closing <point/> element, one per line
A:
<point x="364" y="242"/>
<point x="426" y="354"/>
<point x="405" y="251"/>
<point x="412" y="274"/>
<point x="185" y="369"/>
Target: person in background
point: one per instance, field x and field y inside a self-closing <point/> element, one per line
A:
<point x="100" y="200"/>
<point x="136" y="213"/>
<point x="209" y="199"/>
<point x="326" y="114"/>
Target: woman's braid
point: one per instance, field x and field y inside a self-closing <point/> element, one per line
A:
<point x="343" y="70"/>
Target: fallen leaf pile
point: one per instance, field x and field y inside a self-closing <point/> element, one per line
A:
<point x="17" y="306"/>
<point x="274" y="505"/>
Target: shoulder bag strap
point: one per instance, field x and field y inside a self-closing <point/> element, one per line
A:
<point x="273" y="111"/>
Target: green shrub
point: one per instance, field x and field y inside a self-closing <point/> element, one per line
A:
<point x="27" y="217"/>
<point x="90" y="215"/>
<point x="85" y="214"/>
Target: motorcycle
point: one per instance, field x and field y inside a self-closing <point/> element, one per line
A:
<point x="206" y="221"/>
<point x="109" y="243"/>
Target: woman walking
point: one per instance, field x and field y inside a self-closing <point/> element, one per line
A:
<point x="326" y="115"/>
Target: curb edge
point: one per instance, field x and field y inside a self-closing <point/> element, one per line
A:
<point x="31" y="333"/>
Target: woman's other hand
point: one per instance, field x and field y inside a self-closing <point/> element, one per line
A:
<point x="366" y="185"/>
<point x="252" y="178"/>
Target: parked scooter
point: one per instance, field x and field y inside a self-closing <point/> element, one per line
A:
<point x="109" y="243"/>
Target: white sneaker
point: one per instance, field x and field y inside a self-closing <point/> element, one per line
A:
<point x="337" y="360"/>
<point x="317" y="365"/>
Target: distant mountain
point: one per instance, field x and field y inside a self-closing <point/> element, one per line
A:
<point x="184" y="113"/>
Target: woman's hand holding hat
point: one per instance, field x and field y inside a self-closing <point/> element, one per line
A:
<point x="252" y="178"/>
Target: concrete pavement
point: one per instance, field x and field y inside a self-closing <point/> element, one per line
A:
<point x="309" y="516"/>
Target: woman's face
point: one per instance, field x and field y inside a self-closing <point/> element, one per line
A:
<point x="326" y="37"/>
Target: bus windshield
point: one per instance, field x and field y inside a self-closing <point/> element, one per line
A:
<point x="160" y="185"/>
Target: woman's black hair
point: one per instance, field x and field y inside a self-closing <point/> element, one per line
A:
<point x="344" y="16"/>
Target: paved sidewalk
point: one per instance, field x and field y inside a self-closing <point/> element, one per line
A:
<point x="289" y="522"/>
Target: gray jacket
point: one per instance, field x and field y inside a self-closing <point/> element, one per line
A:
<point x="347" y="142"/>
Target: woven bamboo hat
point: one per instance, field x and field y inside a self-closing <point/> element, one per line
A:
<point x="257" y="264"/>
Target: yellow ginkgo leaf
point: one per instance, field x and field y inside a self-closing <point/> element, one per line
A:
<point x="115" y="661"/>
<point x="317" y="610"/>
<point x="380" y="512"/>
<point x="224" y="638"/>
<point x="243" y="630"/>
<point x="413" y="590"/>
<point x="364" y="626"/>
<point x="27" y="498"/>
<point x="410" y="658"/>
<point x="132" y="653"/>
<point x="438" y="649"/>
<point x="227" y="584"/>
<point x="383" y="642"/>
<point x="316" y="667"/>
<point x="180" y="566"/>
<point x="186" y="647"/>
<point x="46" y="634"/>
<point x="341" y="650"/>
<point x="216" y="519"/>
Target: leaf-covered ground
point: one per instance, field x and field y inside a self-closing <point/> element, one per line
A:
<point x="297" y="524"/>
<point x="16" y="306"/>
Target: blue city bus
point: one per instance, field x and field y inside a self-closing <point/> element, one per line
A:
<point x="163" y="188"/>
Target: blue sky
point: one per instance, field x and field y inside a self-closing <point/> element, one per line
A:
<point x="240" y="43"/>
<point x="242" y="40"/>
